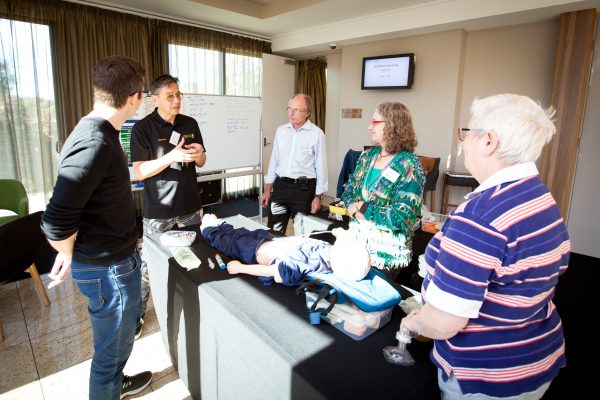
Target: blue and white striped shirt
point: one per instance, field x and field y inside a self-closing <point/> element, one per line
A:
<point x="496" y="261"/>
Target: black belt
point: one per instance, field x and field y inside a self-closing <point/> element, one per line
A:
<point x="297" y="180"/>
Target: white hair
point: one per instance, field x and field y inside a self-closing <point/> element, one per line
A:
<point x="522" y="125"/>
<point x="349" y="260"/>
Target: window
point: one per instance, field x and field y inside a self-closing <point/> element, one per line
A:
<point x="198" y="70"/>
<point x="28" y="125"/>
<point x="243" y="75"/>
<point x="214" y="72"/>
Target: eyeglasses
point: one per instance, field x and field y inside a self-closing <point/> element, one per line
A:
<point x="139" y="94"/>
<point x="295" y="110"/>
<point x="377" y="121"/>
<point x="462" y="132"/>
<point x="170" y="97"/>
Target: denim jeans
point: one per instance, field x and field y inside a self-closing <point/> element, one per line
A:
<point x="113" y="293"/>
<point x="158" y="225"/>
<point x="450" y="390"/>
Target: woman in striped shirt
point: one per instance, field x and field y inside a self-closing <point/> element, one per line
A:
<point x="493" y="268"/>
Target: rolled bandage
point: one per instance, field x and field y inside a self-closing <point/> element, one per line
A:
<point x="220" y="261"/>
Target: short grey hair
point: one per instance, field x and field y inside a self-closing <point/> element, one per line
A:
<point x="523" y="127"/>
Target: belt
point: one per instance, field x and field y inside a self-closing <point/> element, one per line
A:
<point x="298" y="180"/>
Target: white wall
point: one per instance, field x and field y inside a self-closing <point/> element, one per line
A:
<point x="451" y="69"/>
<point x="584" y="213"/>
<point x="277" y="88"/>
<point x="332" y="119"/>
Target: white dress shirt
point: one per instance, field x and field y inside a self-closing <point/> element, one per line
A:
<point x="299" y="153"/>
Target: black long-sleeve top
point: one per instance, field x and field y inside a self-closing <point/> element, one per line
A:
<point x="93" y="195"/>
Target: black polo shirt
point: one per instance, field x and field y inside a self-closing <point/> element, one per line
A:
<point x="174" y="191"/>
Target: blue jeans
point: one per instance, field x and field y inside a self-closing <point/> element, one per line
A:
<point x="113" y="293"/>
<point x="450" y="390"/>
<point x="159" y="225"/>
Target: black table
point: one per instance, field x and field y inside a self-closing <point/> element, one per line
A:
<point x="230" y="337"/>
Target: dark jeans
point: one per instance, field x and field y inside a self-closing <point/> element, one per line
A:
<point x="239" y="244"/>
<point x="289" y="200"/>
<point x="113" y="294"/>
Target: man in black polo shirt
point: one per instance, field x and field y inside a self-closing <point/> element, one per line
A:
<point x="166" y="147"/>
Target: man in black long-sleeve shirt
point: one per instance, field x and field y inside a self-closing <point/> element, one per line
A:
<point x="90" y="220"/>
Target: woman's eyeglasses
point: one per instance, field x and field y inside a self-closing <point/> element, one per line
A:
<point x="377" y="121"/>
<point x="462" y="132"/>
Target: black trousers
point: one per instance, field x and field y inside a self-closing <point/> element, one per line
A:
<point x="287" y="200"/>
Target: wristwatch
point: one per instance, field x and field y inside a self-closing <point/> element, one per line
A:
<point x="320" y="196"/>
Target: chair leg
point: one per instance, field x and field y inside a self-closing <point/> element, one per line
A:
<point x="445" y="196"/>
<point x="1" y="332"/>
<point x="32" y="270"/>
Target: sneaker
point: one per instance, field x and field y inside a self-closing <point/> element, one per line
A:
<point x="138" y="329"/>
<point x="131" y="385"/>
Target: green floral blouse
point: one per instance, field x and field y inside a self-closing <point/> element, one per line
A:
<point x="394" y="202"/>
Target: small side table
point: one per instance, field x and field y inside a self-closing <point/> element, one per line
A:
<point x="455" y="179"/>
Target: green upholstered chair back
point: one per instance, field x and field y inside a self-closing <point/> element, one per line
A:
<point x="13" y="197"/>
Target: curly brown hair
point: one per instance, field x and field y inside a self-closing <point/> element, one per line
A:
<point x="398" y="132"/>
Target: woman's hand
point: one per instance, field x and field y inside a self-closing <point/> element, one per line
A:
<point x="354" y="208"/>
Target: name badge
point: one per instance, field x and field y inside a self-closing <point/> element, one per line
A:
<point x="390" y="175"/>
<point x="174" y="140"/>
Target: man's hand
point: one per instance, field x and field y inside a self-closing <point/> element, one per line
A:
<point x="264" y="200"/>
<point x="179" y="154"/>
<point x="60" y="270"/>
<point x="315" y="205"/>
<point x="197" y="152"/>
<point x="233" y="267"/>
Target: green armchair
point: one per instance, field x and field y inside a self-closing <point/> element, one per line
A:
<point x="13" y="197"/>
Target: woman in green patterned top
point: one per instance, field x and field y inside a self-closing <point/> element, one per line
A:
<point x="383" y="196"/>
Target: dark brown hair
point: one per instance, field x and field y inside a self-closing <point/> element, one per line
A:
<point x="116" y="78"/>
<point x="398" y="132"/>
<point x="162" y="81"/>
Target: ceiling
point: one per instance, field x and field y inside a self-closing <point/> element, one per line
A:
<point x="306" y="28"/>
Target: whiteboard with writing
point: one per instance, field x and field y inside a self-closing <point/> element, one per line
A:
<point x="230" y="127"/>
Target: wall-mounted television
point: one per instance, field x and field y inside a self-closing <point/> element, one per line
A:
<point x="388" y="72"/>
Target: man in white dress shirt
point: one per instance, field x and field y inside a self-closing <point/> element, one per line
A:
<point x="297" y="175"/>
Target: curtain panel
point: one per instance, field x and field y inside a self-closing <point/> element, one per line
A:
<point x="312" y="81"/>
<point x="83" y="35"/>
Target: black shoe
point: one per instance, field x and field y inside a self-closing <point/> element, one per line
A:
<point x="131" y="385"/>
<point x="138" y="329"/>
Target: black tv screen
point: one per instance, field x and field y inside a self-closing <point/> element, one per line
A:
<point x="388" y="72"/>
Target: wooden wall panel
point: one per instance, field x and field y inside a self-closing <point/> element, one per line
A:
<point x="569" y="93"/>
